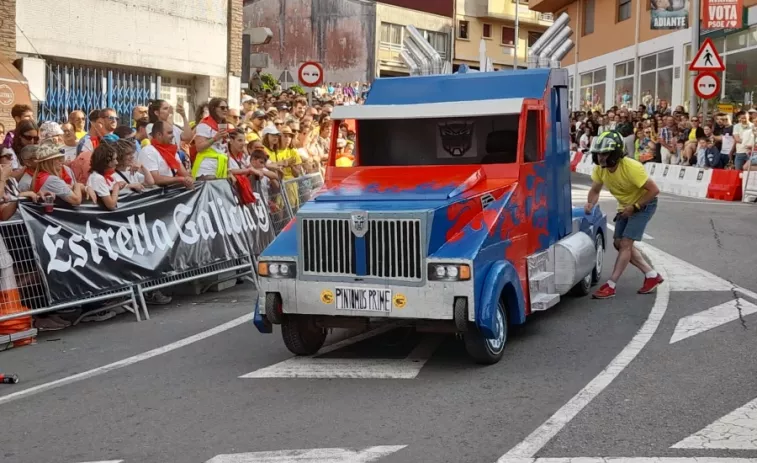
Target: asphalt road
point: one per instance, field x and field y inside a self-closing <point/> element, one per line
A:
<point x="585" y="379"/>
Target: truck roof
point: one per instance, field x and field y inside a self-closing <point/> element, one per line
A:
<point x="449" y="95"/>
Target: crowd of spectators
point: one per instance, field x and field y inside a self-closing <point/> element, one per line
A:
<point x="273" y="137"/>
<point x="672" y="136"/>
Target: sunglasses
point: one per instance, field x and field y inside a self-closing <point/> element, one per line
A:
<point x="223" y="108"/>
<point x="33" y="139"/>
<point x="112" y="118"/>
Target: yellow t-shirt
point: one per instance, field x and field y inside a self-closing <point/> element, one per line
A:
<point x="693" y="135"/>
<point x="251" y="136"/>
<point x="626" y="183"/>
<point x="80" y="135"/>
<point x="281" y="156"/>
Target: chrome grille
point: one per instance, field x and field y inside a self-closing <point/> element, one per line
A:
<point x="328" y="247"/>
<point x="394" y="249"/>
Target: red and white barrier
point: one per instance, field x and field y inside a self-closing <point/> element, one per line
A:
<point x="693" y="182"/>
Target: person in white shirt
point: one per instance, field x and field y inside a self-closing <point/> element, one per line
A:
<point x="161" y="158"/>
<point x="102" y="178"/>
<point x="743" y="134"/>
<point x="161" y="110"/>
<point x="128" y="170"/>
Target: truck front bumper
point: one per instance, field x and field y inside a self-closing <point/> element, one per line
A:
<point x="432" y="301"/>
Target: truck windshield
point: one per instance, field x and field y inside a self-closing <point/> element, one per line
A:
<point x="440" y="141"/>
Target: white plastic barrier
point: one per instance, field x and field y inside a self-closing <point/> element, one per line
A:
<point x="749" y="186"/>
<point x="679" y="180"/>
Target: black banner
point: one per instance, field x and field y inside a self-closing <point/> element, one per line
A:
<point x="88" y="250"/>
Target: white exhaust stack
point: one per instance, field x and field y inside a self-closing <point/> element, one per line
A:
<point x="561" y="52"/>
<point x="429" y="54"/>
<point x="538" y="46"/>
<point x="410" y="63"/>
<point x="555" y="43"/>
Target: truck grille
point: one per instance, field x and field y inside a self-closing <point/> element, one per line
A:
<point x="393" y="248"/>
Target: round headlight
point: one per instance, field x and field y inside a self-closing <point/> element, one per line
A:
<point x="273" y="269"/>
<point x="452" y="271"/>
<point x="440" y="272"/>
<point x="284" y="269"/>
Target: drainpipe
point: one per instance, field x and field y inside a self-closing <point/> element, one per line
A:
<point x="576" y="77"/>
<point x="517" y="31"/>
<point x="636" y="84"/>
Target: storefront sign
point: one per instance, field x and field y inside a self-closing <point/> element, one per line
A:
<point x="13" y="90"/>
<point x="722" y="14"/>
<point x="87" y="250"/>
<point x="669" y="14"/>
<point x="725" y="108"/>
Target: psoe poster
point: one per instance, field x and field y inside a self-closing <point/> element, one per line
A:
<point x="669" y="14"/>
<point x="722" y="14"/>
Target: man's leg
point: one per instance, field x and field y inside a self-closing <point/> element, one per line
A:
<point x="637" y="224"/>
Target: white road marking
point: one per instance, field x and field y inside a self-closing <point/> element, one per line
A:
<point x="711" y="318"/>
<point x="104" y="461"/>
<point x="631" y="460"/>
<point x="611" y="227"/>
<point x="127" y="361"/>
<point x="684" y="276"/>
<point x="736" y="431"/>
<point x="357" y="368"/>
<point x="311" y="455"/>
<point x="549" y="429"/>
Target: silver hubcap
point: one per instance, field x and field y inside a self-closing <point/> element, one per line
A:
<point x="496" y="344"/>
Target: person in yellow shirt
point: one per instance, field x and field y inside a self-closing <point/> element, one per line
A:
<point x="278" y="145"/>
<point x="636" y="194"/>
<point x="77" y="119"/>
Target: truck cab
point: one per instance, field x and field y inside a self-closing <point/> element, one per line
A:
<point x="455" y="216"/>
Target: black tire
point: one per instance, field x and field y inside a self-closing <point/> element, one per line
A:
<point x="460" y="315"/>
<point x="273" y="311"/>
<point x="301" y="335"/>
<point x="488" y="351"/>
<point x="599" y="247"/>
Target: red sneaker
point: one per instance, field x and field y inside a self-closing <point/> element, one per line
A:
<point x="650" y="284"/>
<point x="604" y="292"/>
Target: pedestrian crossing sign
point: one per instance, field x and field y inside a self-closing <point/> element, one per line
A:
<point x="707" y="58"/>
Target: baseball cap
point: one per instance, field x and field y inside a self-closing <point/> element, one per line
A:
<point x="247" y="98"/>
<point x="752" y="111"/>
<point x="271" y="130"/>
<point x="49" y="130"/>
<point x="259" y="114"/>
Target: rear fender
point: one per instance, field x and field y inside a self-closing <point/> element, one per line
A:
<point x="501" y="281"/>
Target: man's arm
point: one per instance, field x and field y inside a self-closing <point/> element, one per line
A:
<point x="593" y="197"/>
<point x="651" y="190"/>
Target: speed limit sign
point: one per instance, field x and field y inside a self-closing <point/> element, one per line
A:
<point x="310" y="74"/>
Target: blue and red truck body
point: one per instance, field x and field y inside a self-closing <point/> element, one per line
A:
<point x="457" y="214"/>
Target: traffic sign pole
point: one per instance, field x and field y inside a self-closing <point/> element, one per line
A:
<point x="694" y="43"/>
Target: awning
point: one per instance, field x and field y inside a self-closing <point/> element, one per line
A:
<point x="13" y="90"/>
<point x="505" y="106"/>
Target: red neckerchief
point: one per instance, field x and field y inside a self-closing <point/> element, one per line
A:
<point x="40" y="180"/>
<point x="108" y="174"/>
<point x="237" y="158"/>
<point x="209" y="121"/>
<point x="29" y="172"/>
<point x="65" y="177"/>
<point x="168" y="153"/>
<point x="95" y="142"/>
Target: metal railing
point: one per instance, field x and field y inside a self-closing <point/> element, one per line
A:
<point x="22" y="288"/>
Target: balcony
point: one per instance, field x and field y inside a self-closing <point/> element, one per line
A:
<point x="504" y="10"/>
<point x="548" y="6"/>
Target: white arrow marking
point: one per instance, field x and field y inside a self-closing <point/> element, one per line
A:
<point x="631" y="460"/>
<point x="737" y="431"/>
<point x="711" y="318"/>
<point x="311" y="455"/>
<point x="315" y="367"/>
<point x="105" y="461"/>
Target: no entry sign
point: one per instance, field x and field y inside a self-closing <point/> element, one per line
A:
<point x="707" y="85"/>
<point x="310" y="74"/>
<point x="722" y="14"/>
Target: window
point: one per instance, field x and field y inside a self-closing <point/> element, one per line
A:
<point x="533" y="150"/>
<point x="533" y="37"/>
<point x="656" y="79"/>
<point x="391" y="33"/>
<point x="624" y="84"/>
<point x="624" y="10"/>
<point x="588" y="18"/>
<point x="438" y="40"/>
<point x="508" y="36"/>
<point x="462" y="30"/>
<point x="592" y="90"/>
<point x="487" y="31"/>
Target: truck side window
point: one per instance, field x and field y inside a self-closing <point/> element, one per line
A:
<point x="533" y="150"/>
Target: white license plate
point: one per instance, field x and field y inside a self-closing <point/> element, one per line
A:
<point x="367" y="299"/>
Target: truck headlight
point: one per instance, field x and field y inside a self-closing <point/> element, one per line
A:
<point x="448" y="272"/>
<point x="277" y="269"/>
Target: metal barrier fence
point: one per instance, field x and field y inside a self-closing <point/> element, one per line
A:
<point x="17" y="254"/>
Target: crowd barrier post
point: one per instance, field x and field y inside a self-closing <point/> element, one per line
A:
<point x="749" y="186"/>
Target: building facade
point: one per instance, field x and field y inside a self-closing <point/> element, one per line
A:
<point x="619" y="60"/>
<point x="354" y="40"/>
<point x="94" y="53"/>
<point x="494" y="22"/>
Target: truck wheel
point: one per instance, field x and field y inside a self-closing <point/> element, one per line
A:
<point x="489" y="351"/>
<point x="599" y="246"/>
<point x="273" y="311"/>
<point x="460" y="315"/>
<point x="301" y="335"/>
